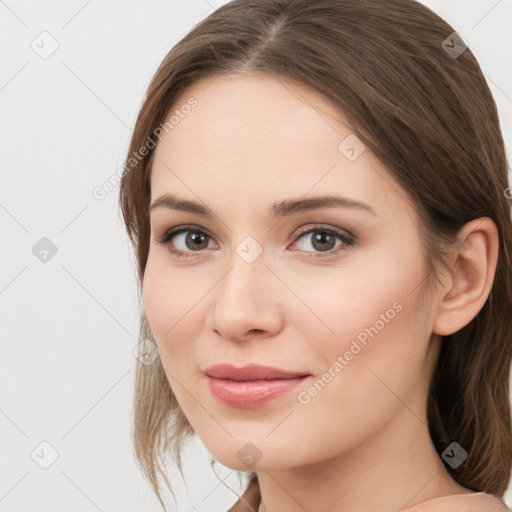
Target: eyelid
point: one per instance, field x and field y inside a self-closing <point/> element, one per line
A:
<point x="318" y="226"/>
<point x="300" y="231"/>
<point x="347" y="238"/>
<point x="176" y="230"/>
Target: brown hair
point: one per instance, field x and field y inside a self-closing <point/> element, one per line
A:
<point x="430" y="118"/>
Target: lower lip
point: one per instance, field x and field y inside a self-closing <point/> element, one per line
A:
<point x="251" y="393"/>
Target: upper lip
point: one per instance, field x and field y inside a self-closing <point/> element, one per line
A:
<point x="250" y="372"/>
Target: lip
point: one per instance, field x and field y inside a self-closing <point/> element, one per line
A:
<point x="250" y="372"/>
<point x="251" y="385"/>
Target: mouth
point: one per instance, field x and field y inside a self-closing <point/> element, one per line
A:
<point x="250" y="372"/>
<point x="252" y="385"/>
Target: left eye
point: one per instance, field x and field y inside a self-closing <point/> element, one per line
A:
<point x="195" y="240"/>
<point x="324" y="240"/>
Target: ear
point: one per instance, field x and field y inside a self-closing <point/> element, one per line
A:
<point x="470" y="279"/>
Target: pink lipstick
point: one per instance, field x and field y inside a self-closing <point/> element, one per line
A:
<point x="252" y="385"/>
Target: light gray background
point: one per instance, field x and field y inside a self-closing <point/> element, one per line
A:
<point x="68" y="326"/>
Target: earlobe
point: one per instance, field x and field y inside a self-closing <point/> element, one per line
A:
<point x="472" y="275"/>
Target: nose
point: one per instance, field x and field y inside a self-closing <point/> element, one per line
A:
<point x="247" y="302"/>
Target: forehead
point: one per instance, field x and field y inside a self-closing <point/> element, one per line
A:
<point x="239" y="118"/>
<point x="258" y="138"/>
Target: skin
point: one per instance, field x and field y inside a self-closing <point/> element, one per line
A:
<point x="362" y="442"/>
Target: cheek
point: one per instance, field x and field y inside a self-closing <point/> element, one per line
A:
<point x="357" y="300"/>
<point x="376" y="351"/>
<point x="154" y="297"/>
<point x="168" y="295"/>
<point x="172" y="303"/>
<point x="163" y="312"/>
<point x="363" y="325"/>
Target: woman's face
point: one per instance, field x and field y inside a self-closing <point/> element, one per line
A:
<point x="343" y="304"/>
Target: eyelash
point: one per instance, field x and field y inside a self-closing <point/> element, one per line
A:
<point x="348" y="241"/>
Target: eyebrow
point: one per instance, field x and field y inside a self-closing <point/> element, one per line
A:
<point x="277" y="210"/>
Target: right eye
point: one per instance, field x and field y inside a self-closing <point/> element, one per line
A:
<point x="190" y="237"/>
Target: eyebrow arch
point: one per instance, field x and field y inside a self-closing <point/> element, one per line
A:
<point x="277" y="210"/>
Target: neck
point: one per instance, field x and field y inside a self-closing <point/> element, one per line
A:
<point x="387" y="472"/>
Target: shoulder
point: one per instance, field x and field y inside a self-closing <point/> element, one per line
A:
<point x="472" y="502"/>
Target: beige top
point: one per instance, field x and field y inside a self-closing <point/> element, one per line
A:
<point x="473" y="502"/>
